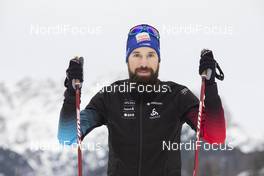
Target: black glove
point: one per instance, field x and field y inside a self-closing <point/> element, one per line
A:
<point x="207" y="62"/>
<point x="74" y="71"/>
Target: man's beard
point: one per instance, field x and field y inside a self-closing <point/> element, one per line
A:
<point x="152" y="79"/>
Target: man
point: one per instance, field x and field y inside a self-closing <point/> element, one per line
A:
<point x="143" y="112"/>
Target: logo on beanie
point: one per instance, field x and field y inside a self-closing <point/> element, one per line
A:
<point x="143" y="36"/>
<point x="144" y="44"/>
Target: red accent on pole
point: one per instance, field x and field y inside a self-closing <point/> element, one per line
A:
<point x="78" y="130"/>
<point x="197" y="147"/>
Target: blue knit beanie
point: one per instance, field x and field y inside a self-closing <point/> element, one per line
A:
<point x="142" y="39"/>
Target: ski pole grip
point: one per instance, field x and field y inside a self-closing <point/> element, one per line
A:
<point x="76" y="83"/>
<point x="207" y="74"/>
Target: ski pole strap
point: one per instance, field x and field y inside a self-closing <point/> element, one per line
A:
<point x="221" y="75"/>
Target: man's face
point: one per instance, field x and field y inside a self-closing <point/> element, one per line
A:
<point x="143" y="65"/>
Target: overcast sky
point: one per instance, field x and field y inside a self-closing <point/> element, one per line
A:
<point x="38" y="37"/>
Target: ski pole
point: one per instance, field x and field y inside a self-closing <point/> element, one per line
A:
<point x="201" y="105"/>
<point x="77" y="85"/>
<point x="206" y="75"/>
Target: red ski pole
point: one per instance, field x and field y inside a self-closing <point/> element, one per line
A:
<point x="77" y="85"/>
<point x="201" y="105"/>
<point x="206" y="75"/>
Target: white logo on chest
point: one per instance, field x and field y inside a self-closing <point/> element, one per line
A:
<point x="129" y="109"/>
<point x="154" y="114"/>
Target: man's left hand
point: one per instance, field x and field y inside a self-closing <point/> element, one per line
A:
<point x="207" y="62"/>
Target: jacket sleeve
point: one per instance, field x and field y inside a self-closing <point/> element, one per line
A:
<point x="213" y="128"/>
<point x="92" y="116"/>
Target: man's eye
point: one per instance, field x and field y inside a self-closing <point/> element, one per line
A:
<point x="136" y="55"/>
<point x="150" y="55"/>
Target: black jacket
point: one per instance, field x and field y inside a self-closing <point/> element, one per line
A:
<point x="138" y="125"/>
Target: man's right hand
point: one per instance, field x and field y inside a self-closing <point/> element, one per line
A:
<point x="74" y="71"/>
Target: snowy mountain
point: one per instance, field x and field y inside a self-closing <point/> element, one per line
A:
<point x="29" y="113"/>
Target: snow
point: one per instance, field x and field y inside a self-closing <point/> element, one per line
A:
<point x="29" y="113"/>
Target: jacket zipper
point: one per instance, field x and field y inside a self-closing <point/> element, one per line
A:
<point x="140" y="137"/>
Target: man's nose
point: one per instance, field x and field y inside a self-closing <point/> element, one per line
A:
<point x="144" y="62"/>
